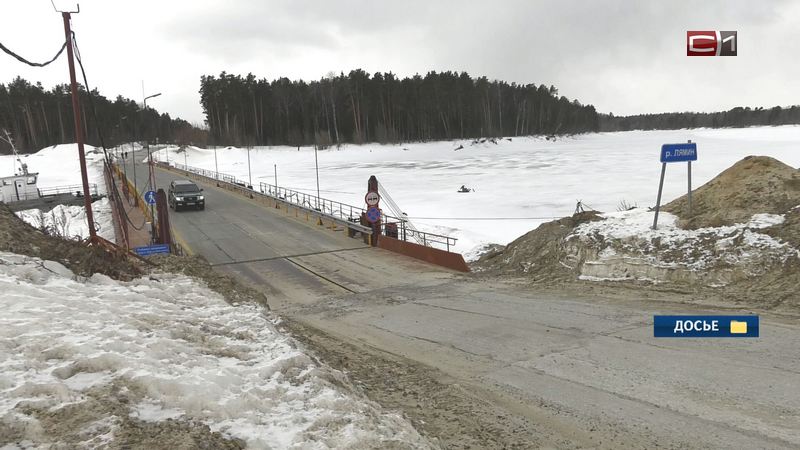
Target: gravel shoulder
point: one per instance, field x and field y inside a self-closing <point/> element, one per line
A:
<point x="442" y="409"/>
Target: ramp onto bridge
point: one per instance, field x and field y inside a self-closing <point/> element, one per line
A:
<point x="287" y="255"/>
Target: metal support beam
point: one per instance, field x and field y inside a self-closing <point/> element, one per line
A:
<point x="660" y="189"/>
<point x="689" y="195"/>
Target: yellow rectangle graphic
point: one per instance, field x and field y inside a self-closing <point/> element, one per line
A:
<point x="738" y="327"/>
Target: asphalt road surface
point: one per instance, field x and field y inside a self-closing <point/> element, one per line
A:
<point x="576" y="371"/>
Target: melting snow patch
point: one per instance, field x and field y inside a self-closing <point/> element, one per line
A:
<point x="175" y="350"/>
<point x="70" y="222"/>
<point x="149" y="411"/>
<point x="592" y="278"/>
<point x="629" y="248"/>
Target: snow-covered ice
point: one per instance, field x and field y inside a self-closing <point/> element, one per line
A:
<point x="518" y="184"/>
<point x="178" y="351"/>
<point x="70" y="221"/>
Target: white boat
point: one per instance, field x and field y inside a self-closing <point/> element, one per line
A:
<point x="22" y="185"/>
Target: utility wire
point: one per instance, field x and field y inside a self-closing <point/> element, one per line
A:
<point x="484" y="218"/>
<point x="25" y="61"/>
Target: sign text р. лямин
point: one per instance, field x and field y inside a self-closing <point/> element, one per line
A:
<point x="679" y="152"/>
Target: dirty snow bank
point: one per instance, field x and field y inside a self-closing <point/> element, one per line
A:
<point x="177" y="352"/>
<point x="70" y="222"/>
<point x="625" y="247"/>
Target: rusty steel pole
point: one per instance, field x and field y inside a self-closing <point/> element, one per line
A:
<point x="76" y="110"/>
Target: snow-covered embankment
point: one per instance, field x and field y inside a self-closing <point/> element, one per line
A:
<point x="175" y="352"/>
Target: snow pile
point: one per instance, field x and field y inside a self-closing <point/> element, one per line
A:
<point x="174" y="352"/>
<point x="756" y="184"/>
<point x="625" y="247"/>
<point x="70" y="222"/>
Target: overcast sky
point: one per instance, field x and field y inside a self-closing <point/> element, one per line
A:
<point x="623" y="56"/>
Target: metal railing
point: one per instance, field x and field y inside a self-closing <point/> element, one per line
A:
<point x="391" y="226"/>
<point x="402" y="231"/>
<point x="397" y="227"/>
<point x="331" y="207"/>
<point x="229" y="179"/>
<point x="76" y="190"/>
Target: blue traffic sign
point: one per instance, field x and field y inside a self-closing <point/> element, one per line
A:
<point x="679" y="152"/>
<point x="373" y="214"/>
<point x="152" y="249"/>
<point x="150" y="197"/>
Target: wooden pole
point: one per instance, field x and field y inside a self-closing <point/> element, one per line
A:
<point x="76" y="110"/>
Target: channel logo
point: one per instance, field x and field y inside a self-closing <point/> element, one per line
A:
<point x="705" y="326"/>
<point x="711" y="43"/>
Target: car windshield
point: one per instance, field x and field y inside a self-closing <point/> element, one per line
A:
<point x="183" y="188"/>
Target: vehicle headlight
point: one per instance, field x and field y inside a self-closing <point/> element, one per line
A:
<point x="180" y="199"/>
<point x="201" y="198"/>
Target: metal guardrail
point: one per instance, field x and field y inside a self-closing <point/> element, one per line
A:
<point x="331" y="207"/>
<point x="392" y="226"/>
<point x="76" y="190"/>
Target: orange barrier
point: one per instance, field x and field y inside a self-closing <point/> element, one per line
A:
<point x="120" y="225"/>
<point x="131" y="189"/>
<point x="432" y="255"/>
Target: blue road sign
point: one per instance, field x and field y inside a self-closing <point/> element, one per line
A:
<point x="152" y="249"/>
<point x="373" y="214"/>
<point x="679" y="152"/>
<point x="150" y="197"/>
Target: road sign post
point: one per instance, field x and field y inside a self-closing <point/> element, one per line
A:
<point x="373" y="214"/>
<point x="660" y="189"/>
<point x="689" y="195"/>
<point x="671" y="153"/>
<point x="150" y="199"/>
